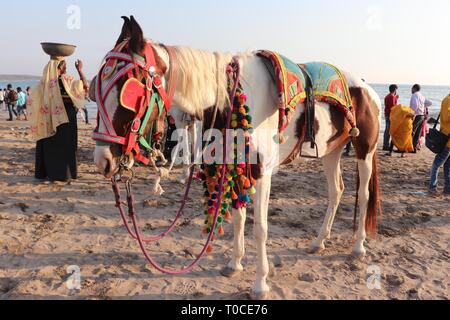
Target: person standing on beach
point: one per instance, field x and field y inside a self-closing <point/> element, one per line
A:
<point x="419" y="104"/>
<point x="21" y="104"/>
<point x="85" y="115"/>
<point x="53" y="115"/>
<point x="442" y="159"/>
<point x="11" y="101"/>
<point x="2" y="98"/>
<point x="390" y="101"/>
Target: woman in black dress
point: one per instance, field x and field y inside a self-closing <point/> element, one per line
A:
<point x="56" y="156"/>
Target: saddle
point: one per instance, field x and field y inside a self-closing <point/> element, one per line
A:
<point x="307" y="84"/>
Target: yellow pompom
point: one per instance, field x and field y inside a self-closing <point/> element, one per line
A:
<point x="354" y="133"/>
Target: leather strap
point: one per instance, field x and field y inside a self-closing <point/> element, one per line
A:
<point x="310" y="111"/>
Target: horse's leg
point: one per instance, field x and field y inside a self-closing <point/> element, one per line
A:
<point x="261" y="289"/>
<point x="235" y="267"/>
<point x="332" y="168"/>
<point x="191" y="146"/>
<point x="365" y="174"/>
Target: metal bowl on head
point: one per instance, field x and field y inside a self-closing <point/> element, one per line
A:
<point x="58" y="49"/>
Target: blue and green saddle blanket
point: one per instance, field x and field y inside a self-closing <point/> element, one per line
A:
<point x="328" y="82"/>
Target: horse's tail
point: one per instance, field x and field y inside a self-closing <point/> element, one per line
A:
<point x="374" y="205"/>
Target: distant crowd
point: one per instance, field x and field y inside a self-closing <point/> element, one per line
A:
<point x="407" y="129"/>
<point x="15" y="102"/>
<point x="419" y="113"/>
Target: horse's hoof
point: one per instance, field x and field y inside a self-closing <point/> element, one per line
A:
<point x="228" y="272"/>
<point x="263" y="296"/>
<point x="358" y="255"/>
<point x="315" y="250"/>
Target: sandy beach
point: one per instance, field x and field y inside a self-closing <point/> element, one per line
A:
<point x="45" y="228"/>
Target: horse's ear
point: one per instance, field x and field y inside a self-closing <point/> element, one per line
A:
<point x="137" y="41"/>
<point x="126" y="30"/>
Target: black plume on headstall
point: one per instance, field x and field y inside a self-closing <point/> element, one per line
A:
<point x="132" y="30"/>
<point x="126" y="30"/>
<point x="137" y="41"/>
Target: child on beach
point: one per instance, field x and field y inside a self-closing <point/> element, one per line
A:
<point x="21" y="104"/>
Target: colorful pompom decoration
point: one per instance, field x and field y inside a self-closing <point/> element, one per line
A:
<point x="239" y="185"/>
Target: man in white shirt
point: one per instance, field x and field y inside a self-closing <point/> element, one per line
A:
<point x="2" y="97"/>
<point x="419" y="104"/>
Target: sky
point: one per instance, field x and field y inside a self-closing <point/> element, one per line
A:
<point x="382" y="41"/>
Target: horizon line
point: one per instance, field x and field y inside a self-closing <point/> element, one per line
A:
<point x="3" y="77"/>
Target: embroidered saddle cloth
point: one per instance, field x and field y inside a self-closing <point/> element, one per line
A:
<point x="328" y="82"/>
<point x="329" y="85"/>
<point x="290" y="81"/>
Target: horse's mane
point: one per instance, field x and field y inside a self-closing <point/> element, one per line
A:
<point x="199" y="71"/>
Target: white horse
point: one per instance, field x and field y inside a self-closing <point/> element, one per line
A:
<point x="203" y="83"/>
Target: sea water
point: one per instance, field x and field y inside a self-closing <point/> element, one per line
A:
<point x="434" y="93"/>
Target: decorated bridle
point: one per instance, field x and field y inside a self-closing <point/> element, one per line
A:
<point x="137" y="96"/>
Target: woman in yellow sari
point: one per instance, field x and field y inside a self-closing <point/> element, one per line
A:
<point x="54" y="105"/>
<point x="401" y="129"/>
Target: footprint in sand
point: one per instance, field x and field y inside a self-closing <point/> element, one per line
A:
<point x="184" y="288"/>
<point x="23" y="206"/>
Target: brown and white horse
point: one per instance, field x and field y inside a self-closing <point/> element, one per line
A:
<point x="202" y="83"/>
